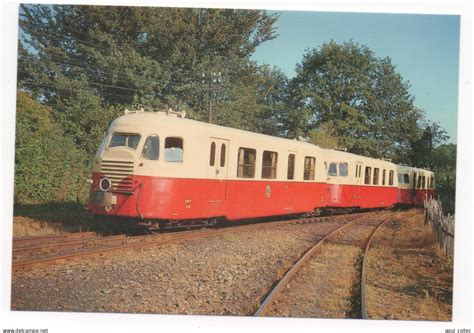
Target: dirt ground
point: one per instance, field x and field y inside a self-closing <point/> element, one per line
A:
<point x="25" y="226"/>
<point x="408" y="277"/>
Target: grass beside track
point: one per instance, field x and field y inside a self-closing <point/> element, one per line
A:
<point x="408" y="278"/>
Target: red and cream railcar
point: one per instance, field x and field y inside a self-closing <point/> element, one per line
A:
<point x="358" y="181"/>
<point x="415" y="185"/>
<point x="159" y="166"/>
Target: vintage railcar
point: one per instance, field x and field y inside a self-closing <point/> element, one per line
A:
<point x="415" y="185"/>
<point x="158" y="166"/>
<point x="359" y="181"/>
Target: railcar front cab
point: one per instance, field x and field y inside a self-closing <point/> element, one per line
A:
<point x="128" y="152"/>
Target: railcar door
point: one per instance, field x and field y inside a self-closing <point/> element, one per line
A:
<point x="290" y="183"/>
<point x="358" y="183"/>
<point x="218" y="169"/>
<point x="413" y="192"/>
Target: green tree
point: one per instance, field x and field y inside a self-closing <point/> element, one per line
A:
<point x="48" y="166"/>
<point x="361" y="96"/>
<point x="443" y="159"/>
<point x="324" y="136"/>
<point x="254" y="104"/>
<point x="430" y="151"/>
<point x="88" y="62"/>
<point x="422" y="152"/>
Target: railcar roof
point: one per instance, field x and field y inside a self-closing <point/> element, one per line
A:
<point x="354" y="156"/>
<point x="410" y="168"/>
<point x="143" y="120"/>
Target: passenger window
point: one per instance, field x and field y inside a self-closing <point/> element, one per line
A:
<point x="406" y="178"/>
<point x="383" y="177"/>
<point x="432" y="182"/>
<point x="151" y="148"/>
<point x="212" y="158"/>
<point x="428" y="182"/>
<point x="246" y="163"/>
<point x="390" y="177"/>
<point x="376" y="176"/>
<point x="309" y="168"/>
<point x="332" y="171"/>
<point x="291" y="167"/>
<point x="173" y="149"/>
<point x="222" y="154"/>
<point x="368" y="171"/>
<point x="357" y="170"/>
<point x="343" y="169"/>
<point x="423" y="180"/>
<point x="419" y="182"/>
<point x="400" y="178"/>
<point x="269" y="164"/>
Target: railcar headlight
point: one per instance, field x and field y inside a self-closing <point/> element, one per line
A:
<point x="105" y="184"/>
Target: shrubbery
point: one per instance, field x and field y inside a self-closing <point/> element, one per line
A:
<point x="48" y="166"/>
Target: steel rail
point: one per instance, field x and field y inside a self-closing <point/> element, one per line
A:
<point x="151" y="240"/>
<point x="363" y="302"/>
<point x="265" y="306"/>
<point x="141" y="244"/>
<point x="364" y="269"/>
<point x="83" y="243"/>
<point x="48" y="239"/>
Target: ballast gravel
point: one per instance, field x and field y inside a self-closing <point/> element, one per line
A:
<point x="227" y="274"/>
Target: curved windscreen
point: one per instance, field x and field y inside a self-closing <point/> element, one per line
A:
<point x="124" y="140"/>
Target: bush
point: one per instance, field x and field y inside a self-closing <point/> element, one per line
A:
<point x="48" y="166"/>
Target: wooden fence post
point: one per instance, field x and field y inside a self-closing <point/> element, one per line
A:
<point x="443" y="226"/>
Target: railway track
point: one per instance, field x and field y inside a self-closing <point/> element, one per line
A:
<point x="31" y="252"/>
<point x="50" y="239"/>
<point x="270" y="300"/>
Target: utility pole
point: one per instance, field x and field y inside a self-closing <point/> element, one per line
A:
<point x="212" y="79"/>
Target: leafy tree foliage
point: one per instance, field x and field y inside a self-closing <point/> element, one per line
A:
<point x="89" y="61"/>
<point x="324" y="136"/>
<point x="254" y="104"/>
<point x="444" y="164"/>
<point x="48" y="166"/>
<point x="362" y="96"/>
<point x="423" y="149"/>
<point x="430" y="151"/>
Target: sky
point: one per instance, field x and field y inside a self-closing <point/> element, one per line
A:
<point x="423" y="48"/>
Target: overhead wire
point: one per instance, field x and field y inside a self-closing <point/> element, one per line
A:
<point x="39" y="85"/>
<point x="102" y="84"/>
<point x="65" y="38"/>
<point x="142" y="52"/>
<point x="91" y="68"/>
<point x="105" y="74"/>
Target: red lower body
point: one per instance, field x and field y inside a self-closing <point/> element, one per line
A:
<point x="416" y="198"/>
<point x="177" y="198"/>
<point x="360" y="196"/>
